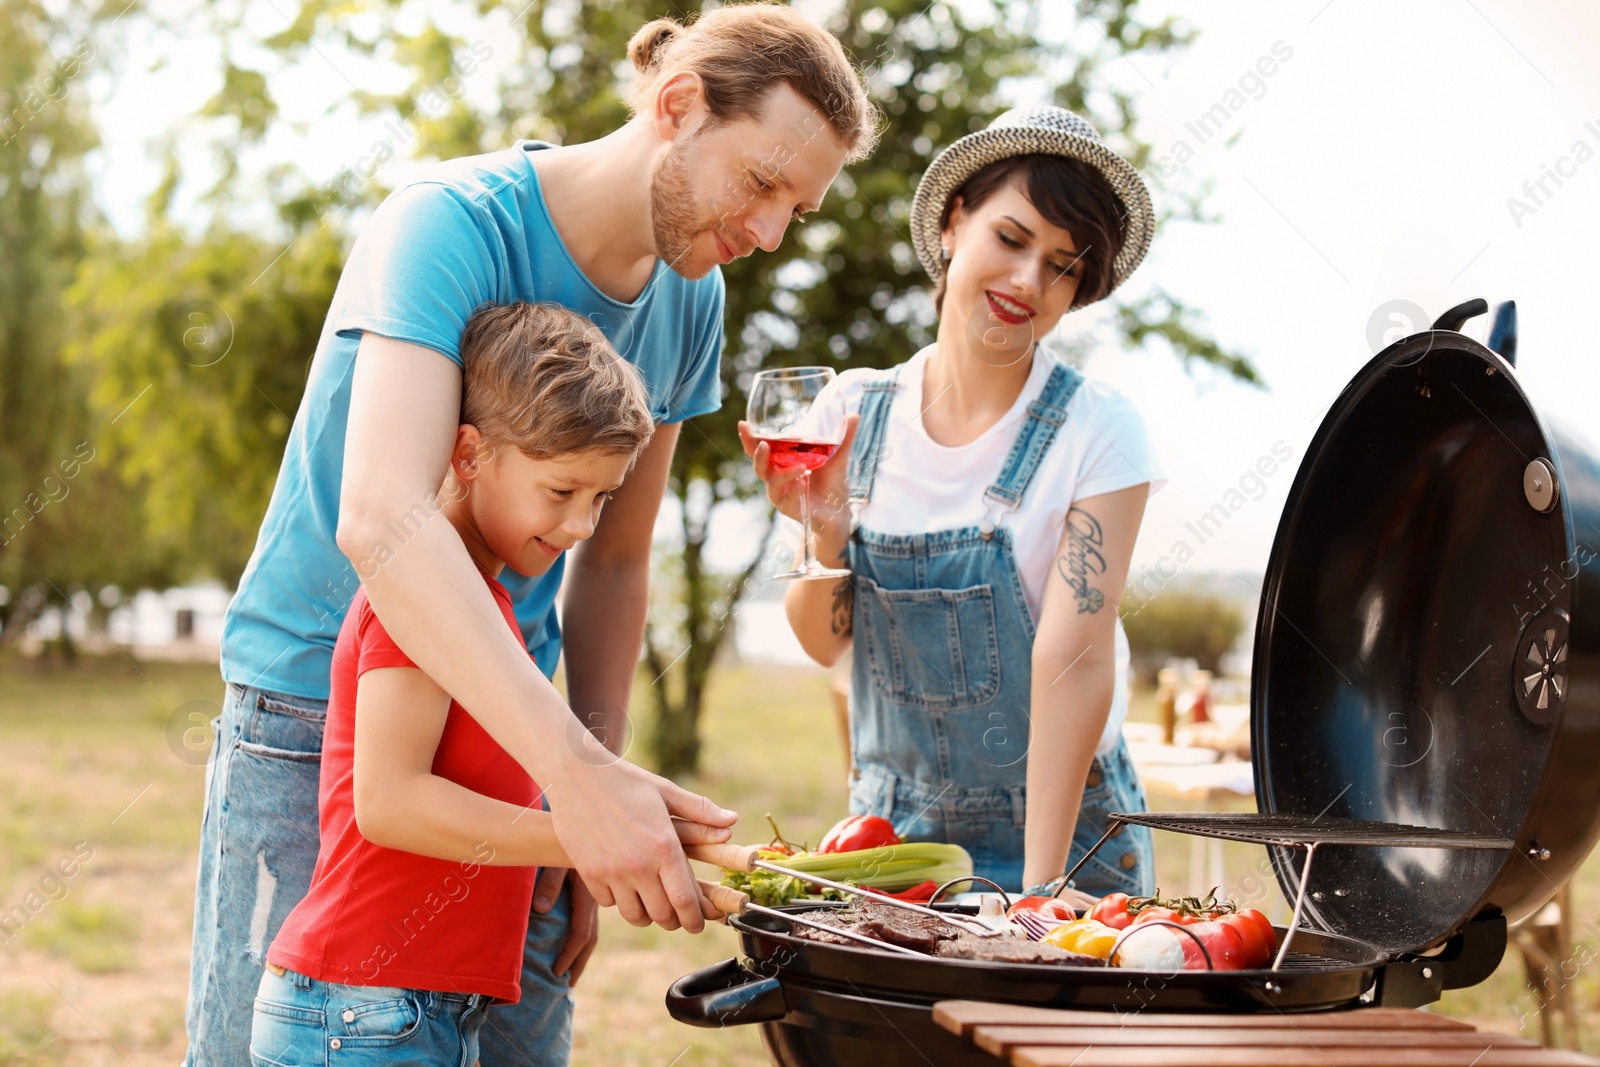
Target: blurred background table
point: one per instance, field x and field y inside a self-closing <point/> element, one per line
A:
<point x="1206" y="776"/>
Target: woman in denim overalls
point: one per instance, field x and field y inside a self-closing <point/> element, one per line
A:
<point x="977" y="717"/>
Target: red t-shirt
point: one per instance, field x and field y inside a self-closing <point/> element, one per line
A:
<point x="380" y="916"/>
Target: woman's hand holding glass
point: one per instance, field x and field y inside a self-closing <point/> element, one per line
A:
<point x="803" y="469"/>
<point x="830" y="504"/>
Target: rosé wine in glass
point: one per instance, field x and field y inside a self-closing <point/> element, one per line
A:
<point x="780" y="413"/>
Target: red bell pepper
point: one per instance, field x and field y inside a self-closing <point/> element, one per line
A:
<point x="856" y="832"/>
<point x="920" y="893"/>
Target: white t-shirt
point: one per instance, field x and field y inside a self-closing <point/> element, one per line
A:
<point x="923" y="486"/>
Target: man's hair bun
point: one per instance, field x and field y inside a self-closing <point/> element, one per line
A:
<point x="648" y="45"/>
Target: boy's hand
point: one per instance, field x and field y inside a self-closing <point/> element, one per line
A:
<point x="583" y="930"/>
<point x="615" y="821"/>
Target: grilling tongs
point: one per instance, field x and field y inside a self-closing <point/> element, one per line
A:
<point x="735" y="902"/>
<point x="745" y="858"/>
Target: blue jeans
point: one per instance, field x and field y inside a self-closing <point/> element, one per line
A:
<point x="302" y="1022"/>
<point x="258" y="845"/>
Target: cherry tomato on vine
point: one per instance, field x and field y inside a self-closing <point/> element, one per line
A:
<point x="1113" y="911"/>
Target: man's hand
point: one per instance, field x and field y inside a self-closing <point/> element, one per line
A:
<point x="615" y="821"/>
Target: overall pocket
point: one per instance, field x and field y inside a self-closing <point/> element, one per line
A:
<point x="930" y="648"/>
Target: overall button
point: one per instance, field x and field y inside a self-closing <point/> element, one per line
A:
<point x="336" y="1044"/>
<point x="1128" y="861"/>
<point x="1094" y="780"/>
<point x="349" y="1016"/>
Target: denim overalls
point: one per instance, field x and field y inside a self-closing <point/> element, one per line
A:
<point x="942" y="672"/>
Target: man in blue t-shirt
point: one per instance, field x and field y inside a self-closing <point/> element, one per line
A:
<point x="741" y="122"/>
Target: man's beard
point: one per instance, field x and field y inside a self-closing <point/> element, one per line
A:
<point x="673" y="221"/>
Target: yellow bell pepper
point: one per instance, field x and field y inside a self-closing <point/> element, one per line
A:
<point x="1086" y="937"/>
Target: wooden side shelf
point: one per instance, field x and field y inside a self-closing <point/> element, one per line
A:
<point x="1371" y="1037"/>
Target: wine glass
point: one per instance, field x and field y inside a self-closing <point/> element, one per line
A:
<point x="779" y="414"/>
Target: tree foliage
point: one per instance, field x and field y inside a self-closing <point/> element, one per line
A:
<point x="1182" y="624"/>
<point x="844" y="290"/>
<point x="60" y="505"/>
<point x="216" y="349"/>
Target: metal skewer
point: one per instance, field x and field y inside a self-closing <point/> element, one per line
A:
<point x="735" y="902"/>
<point x="744" y="858"/>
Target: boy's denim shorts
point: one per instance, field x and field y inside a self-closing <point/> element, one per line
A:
<point x="303" y="1022"/>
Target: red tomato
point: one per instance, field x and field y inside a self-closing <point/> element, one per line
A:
<point x="1256" y="950"/>
<point x="856" y="832"/>
<point x="1269" y="938"/>
<point x="1223" y="943"/>
<point x="1263" y="923"/>
<point x="1156" y="911"/>
<point x="1049" y="907"/>
<point x="1113" y="911"/>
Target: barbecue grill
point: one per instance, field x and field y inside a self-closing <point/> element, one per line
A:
<point x="1425" y="722"/>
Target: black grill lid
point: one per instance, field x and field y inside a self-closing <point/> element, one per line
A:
<point x="1424" y="651"/>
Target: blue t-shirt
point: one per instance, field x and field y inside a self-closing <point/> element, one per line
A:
<point x="474" y="231"/>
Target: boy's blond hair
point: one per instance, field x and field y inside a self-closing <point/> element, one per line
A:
<point x="546" y="381"/>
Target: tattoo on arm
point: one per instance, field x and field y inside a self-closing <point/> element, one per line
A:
<point x="844" y="606"/>
<point x="1083" y="560"/>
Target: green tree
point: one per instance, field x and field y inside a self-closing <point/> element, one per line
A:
<point x="1187" y="625"/>
<point x="844" y="290"/>
<point x="59" y="504"/>
<point x="217" y="349"/>
<point x="210" y="318"/>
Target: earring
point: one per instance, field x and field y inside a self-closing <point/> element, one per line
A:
<point x="944" y="255"/>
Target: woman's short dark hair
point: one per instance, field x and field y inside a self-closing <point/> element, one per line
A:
<point x="1070" y="194"/>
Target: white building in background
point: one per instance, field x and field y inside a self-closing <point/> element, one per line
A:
<point x="184" y="623"/>
<point x="181" y="623"/>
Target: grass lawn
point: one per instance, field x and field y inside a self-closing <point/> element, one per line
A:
<point x="98" y="782"/>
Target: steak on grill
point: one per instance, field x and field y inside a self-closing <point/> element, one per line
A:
<point x="926" y="934"/>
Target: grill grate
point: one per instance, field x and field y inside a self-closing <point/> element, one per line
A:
<point x="1310" y="963"/>
<point x="1296" y="831"/>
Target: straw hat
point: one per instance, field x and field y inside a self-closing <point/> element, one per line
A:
<point x="1027" y="131"/>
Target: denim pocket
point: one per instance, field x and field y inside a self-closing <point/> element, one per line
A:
<point x="284" y="1036"/>
<point x="292" y="724"/>
<point x="930" y="648"/>
<point x="373" y="1016"/>
<point x="267" y="840"/>
<point x="286" y="1030"/>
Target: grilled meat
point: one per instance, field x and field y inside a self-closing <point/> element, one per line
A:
<point x="926" y="934"/>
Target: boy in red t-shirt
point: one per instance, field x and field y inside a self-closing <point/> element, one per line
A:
<point x="431" y="834"/>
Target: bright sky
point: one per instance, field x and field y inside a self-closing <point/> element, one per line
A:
<point x="1374" y="163"/>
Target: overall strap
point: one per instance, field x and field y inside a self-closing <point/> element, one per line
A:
<point x="1038" y="432"/>
<point x="877" y="397"/>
